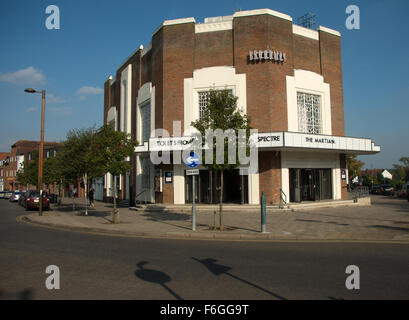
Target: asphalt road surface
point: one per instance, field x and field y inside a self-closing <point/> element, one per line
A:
<point x="104" y="267"/>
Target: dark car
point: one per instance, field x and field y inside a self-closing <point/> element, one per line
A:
<point x="375" y="189"/>
<point x="33" y="200"/>
<point x="387" y="189"/>
<point x="2" y="194"/>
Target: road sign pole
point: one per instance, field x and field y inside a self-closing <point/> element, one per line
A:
<point x="263" y="213"/>
<point x="193" y="205"/>
<point x="192" y="161"/>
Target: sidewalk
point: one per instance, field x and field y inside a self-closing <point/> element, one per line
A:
<point x="386" y="220"/>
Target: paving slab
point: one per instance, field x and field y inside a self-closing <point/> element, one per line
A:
<point x="387" y="219"/>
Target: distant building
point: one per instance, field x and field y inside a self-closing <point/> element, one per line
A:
<point x="386" y="174"/>
<point x="21" y="152"/>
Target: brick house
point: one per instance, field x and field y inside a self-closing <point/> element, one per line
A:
<point x="288" y="80"/>
<point x="22" y="152"/>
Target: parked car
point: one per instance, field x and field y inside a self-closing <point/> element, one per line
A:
<point x="15" y="196"/>
<point x="403" y="192"/>
<point x="387" y="189"/>
<point x="375" y="189"/>
<point x="8" y="195"/>
<point x="2" y="194"/>
<point x="33" y="200"/>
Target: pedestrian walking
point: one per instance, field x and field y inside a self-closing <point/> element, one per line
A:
<point x="91" y="197"/>
<point x="407" y="191"/>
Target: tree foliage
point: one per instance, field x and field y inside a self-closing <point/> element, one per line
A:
<point x="222" y="113"/>
<point x="354" y="165"/>
<point x="112" y="148"/>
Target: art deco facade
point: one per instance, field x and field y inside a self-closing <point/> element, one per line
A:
<point x="288" y="80"/>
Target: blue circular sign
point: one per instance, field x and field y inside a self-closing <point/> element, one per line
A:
<point x="192" y="160"/>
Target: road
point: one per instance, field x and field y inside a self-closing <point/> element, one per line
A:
<point x="103" y="267"/>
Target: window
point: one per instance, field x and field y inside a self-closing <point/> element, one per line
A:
<point x="146" y="122"/>
<point x="146" y="173"/>
<point x="309" y="113"/>
<point x="29" y="156"/>
<point x="204" y="100"/>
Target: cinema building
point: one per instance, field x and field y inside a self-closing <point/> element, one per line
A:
<point x="288" y="80"/>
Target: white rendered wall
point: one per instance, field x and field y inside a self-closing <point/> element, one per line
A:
<point x="125" y="101"/>
<point x="311" y="160"/>
<point x="179" y="183"/>
<point x="217" y="78"/>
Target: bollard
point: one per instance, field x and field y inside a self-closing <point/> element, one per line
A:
<point x="263" y="213"/>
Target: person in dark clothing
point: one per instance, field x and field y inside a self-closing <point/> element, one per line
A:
<point x="407" y="191"/>
<point x="91" y="197"/>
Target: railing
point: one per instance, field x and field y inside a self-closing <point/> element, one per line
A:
<point x="283" y="199"/>
<point x="138" y="194"/>
<point x="360" y="192"/>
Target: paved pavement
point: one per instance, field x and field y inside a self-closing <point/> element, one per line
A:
<point x="387" y="219"/>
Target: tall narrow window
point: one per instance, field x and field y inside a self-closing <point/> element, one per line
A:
<point x="146" y="173"/>
<point x="309" y="113"/>
<point x="146" y="122"/>
<point x="204" y="100"/>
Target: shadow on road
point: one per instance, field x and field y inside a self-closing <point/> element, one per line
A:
<point x="219" y="269"/>
<point x="319" y="221"/>
<point x="390" y="228"/>
<point x="26" y="294"/>
<point x="155" y="276"/>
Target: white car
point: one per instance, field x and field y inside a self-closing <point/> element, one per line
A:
<point x="15" y="196"/>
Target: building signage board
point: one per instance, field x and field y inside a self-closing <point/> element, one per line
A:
<point x="278" y="140"/>
<point x="313" y="141"/>
<point x="192" y="172"/>
<point x="268" y="140"/>
<point x="267" y="55"/>
<point x="171" y="143"/>
<point x="168" y="177"/>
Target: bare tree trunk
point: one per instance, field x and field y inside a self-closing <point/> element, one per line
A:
<point x="115" y="214"/>
<point x="221" y="201"/>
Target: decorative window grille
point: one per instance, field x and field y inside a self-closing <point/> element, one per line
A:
<point x="204" y="101"/>
<point x="309" y="113"/>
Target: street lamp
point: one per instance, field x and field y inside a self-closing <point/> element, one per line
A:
<point x="40" y="156"/>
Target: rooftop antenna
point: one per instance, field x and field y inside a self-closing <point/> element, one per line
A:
<point x="307" y="20"/>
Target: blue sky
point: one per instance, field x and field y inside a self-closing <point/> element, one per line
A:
<point x="95" y="37"/>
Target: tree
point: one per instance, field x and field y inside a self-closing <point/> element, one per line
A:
<point x="222" y="113"/>
<point x="354" y="165"/>
<point x="113" y="148"/>
<point x="401" y="172"/>
<point x="79" y="159"/>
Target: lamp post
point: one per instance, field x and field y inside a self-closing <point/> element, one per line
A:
<point x="41" y="153"/>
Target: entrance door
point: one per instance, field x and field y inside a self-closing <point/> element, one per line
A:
<point x="310" y="184"/>
<point x="235" y="187"/>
